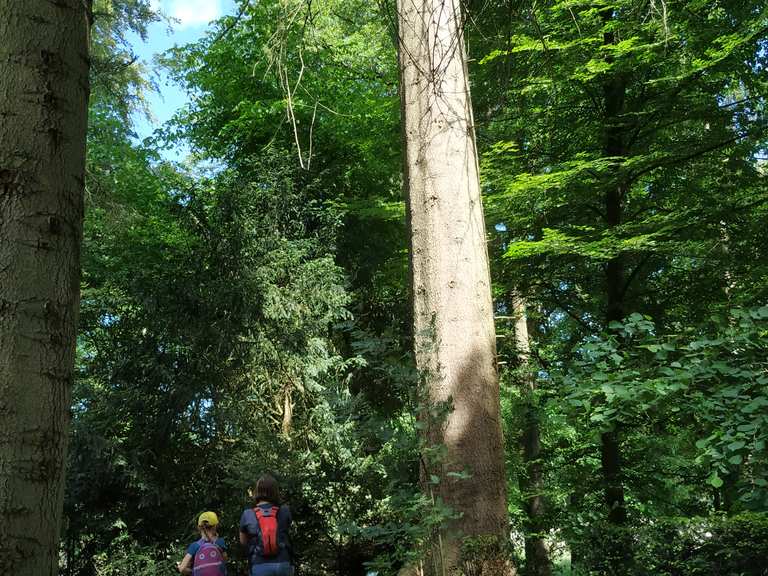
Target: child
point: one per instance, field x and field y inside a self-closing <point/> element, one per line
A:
<point x="264" y="530"/>
<point x="207" y="556"/>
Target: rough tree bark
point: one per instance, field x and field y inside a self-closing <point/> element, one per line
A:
<point x="537" y="561"/>
<point x="454" y="335"/>
<point x="43" y="114"/>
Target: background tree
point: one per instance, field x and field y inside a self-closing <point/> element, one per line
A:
<point x="604" y="127"/>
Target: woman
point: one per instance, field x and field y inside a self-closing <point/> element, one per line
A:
<point x="264" y="530"/>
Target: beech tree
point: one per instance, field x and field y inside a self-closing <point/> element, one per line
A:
<point x="43" y="105"/>
<point x="454" y="335"/>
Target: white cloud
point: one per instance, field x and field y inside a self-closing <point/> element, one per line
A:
<point x="191" y="13"/>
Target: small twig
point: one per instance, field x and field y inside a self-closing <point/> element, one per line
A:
<point x="291" y="115"/>
<point x="311" y="130"/>
<point x="575" y="21"/>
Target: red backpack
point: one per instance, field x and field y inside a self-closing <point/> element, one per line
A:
<point x="268" y="527"/>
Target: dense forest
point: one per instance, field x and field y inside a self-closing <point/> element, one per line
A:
<point x="483" y="284"/>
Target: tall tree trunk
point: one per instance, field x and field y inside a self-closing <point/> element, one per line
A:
<point x="537" y="561"/>
<point x="43" y="115"/>
<point x="614" y="93"/>
<point x="454" y="335"/>
<point x="618" y="548"/>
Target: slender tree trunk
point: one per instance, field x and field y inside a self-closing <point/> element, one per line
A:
<point x="537" y="561"/>
<point x="43" y="114"/>
<point x="454" y="335"/>
<point x="614" y="93"/>
<point x="618" y="547"/>
<point x="610" y="453"/>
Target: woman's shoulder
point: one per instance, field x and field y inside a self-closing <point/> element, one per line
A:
<point x="268" y="505"/>
<point x="251" y="511"/>
<point x="247" y="515"/>
<point x="284" y="511"/>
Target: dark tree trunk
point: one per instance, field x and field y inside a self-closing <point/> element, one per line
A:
<point x="618" y="549"/>
<point x="614" y="93"/>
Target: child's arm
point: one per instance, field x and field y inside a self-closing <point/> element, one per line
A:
<point x="223" y="547"/>
<point x="185" y="566"/>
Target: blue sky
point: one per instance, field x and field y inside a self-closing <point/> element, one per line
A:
<point x="192" y="18"/>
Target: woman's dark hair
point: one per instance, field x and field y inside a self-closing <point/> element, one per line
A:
<point x="267" y="490"/>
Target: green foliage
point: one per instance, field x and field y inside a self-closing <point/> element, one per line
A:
<point x="712" y="383"/>
<point x="205" y="321"/>
<point x="720" y="546"/>
<point x="125" y="556"/>
<point x="547" y="171"/>
<point x="118" y="80"/>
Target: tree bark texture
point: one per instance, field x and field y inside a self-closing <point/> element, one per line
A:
<point x="454" y="334"/>
<point x="43" y="116"/>
<point x="537" y="561"/>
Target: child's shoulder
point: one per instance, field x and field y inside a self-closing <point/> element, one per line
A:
<point x="193" y="547"/>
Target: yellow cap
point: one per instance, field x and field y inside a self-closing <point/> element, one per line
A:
<point x="209" y="518"/>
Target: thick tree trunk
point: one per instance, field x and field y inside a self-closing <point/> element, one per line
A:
<point x="43" y="114"/>
<point x="537" y="561"/>
<point x="454" y="335"/>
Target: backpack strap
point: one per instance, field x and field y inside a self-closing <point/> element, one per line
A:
<point x="203" y="541"/>
<point x="259" y="511"/>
